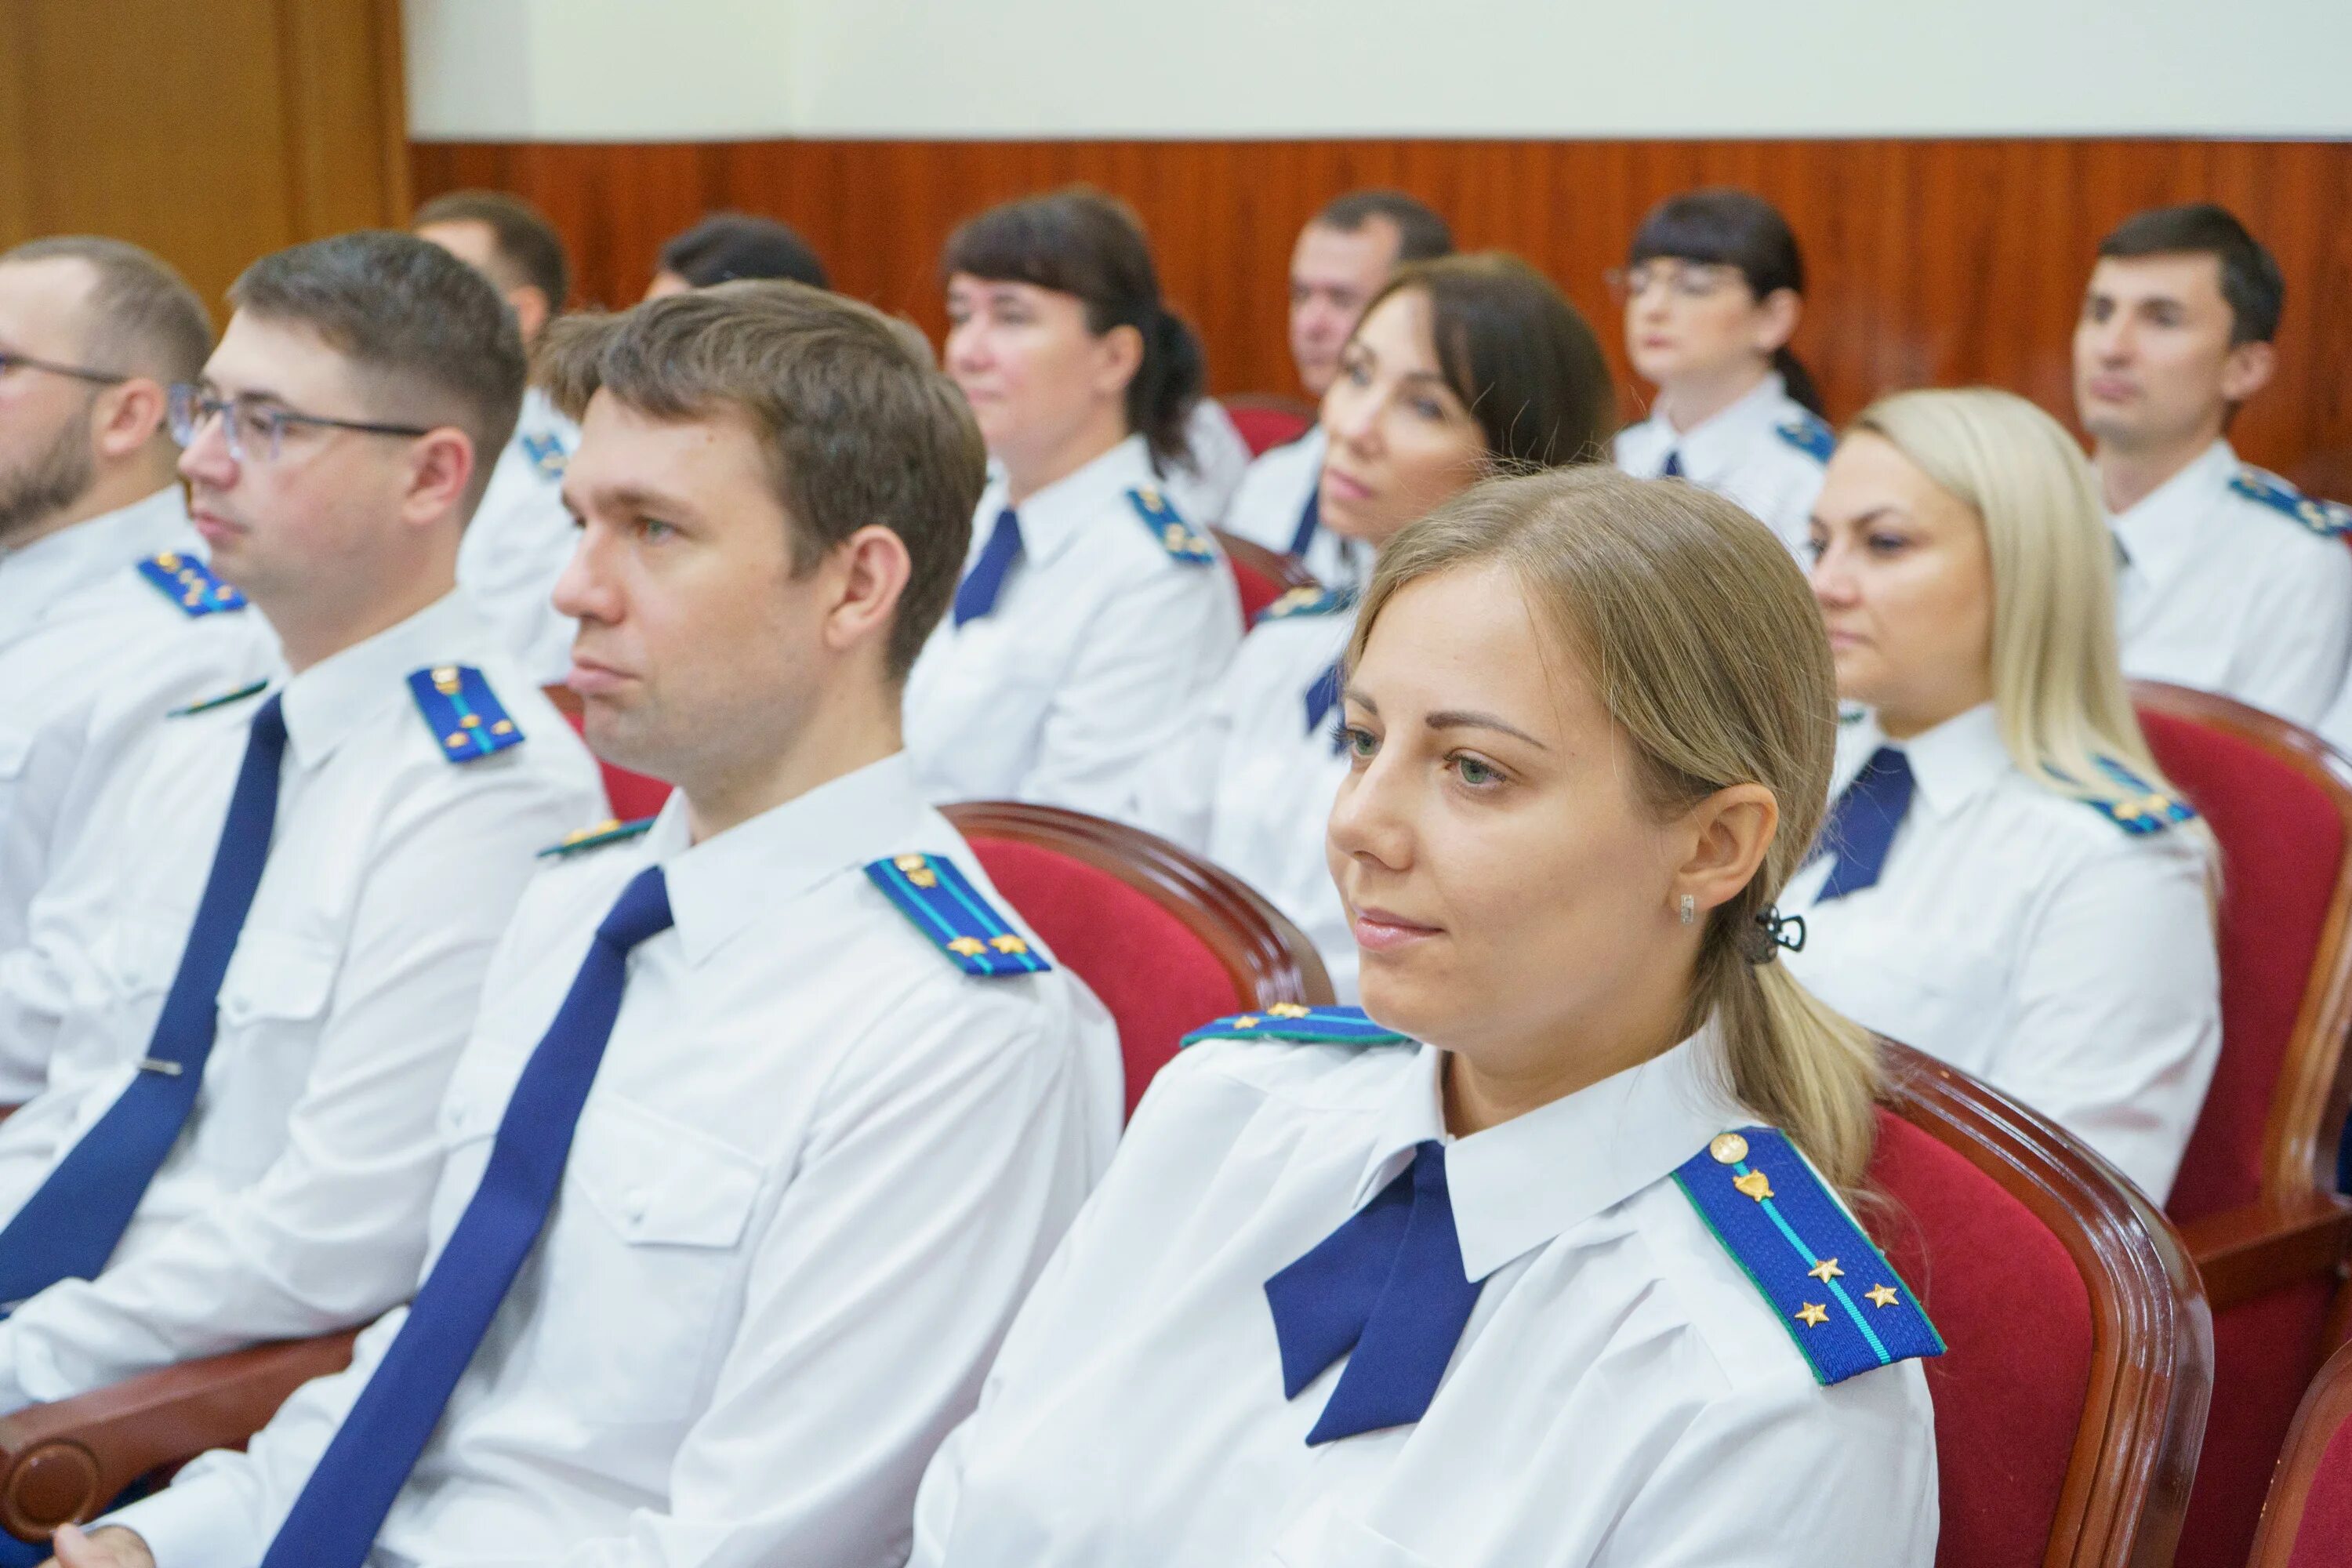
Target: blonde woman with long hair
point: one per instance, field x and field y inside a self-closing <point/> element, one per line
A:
<point x="1539" y="1259"/>
<point x="2006" y="880"/>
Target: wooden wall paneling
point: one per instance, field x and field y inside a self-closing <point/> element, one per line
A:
<point x="1932" y="262"/>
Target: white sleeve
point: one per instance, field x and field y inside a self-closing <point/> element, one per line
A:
<point x="1176" y="795"/>
<point x="2298" y="640"/>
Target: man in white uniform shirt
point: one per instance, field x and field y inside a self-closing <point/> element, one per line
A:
<point x="98" y="603"/>
<point x="521" y="537"/>
<point x="2232" y="581"/>
<point x="251" y="973"/>
<point x="1343" y="255"/>
<point x="833" y="1105"/>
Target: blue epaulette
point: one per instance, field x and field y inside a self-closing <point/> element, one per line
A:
<point x="944" y="905"/>
<point x="1809" y="434"/>
<point x="546" y="455"/>
<point x="1308" y="599"/>
<point x="1303" y="1025"/>
<point x="463" y="712"/>
<point x="1175" y="535"/>
<point x="2329" y="518"/>
<point x="1839" y="1299"/>
<point x="190" y="584"/>
<point x="2145" y="810"/>
<point x="251" y="689"/>
<point x="611" y="830"/>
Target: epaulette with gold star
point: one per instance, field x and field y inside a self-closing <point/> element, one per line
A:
<point x="206" y="705"/>
<point x="463" y="711"/>
<point x="1295" y="1022"/>
<point x="945" y="907"/>
<point x="1809" y="434"/>
<point x="1175" y="535"/>
<point x="548" y="458"/>
<point x="2144" y="810"/>
<point x="1839" y="1299"/>
<point x="190" y="584"/>
<point x="2328" y="519"/>
<point x="595" y="836"/>
<point x="1308" y="599"/>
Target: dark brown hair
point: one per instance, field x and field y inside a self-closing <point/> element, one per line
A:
<point x="143" y="319"/>
<point x="2250" y="280"/>
<point x="725" y="247"/>
<point x="1422" y="235"/>
<point x="1080" y="242"/>
<point x="1740" y="229"/>
<point x="529" y="252"/>
<point x="859" y="428"/>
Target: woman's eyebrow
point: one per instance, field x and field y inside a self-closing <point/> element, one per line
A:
<point x="1458" y="718"/>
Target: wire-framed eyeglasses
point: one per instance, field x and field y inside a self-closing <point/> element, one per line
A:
<point x="257" y="430"/>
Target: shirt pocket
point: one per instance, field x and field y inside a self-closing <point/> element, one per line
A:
<point x="270" y="1010"/>
<point x="641" y="1263"/>
<point x="1323" y="1537"/>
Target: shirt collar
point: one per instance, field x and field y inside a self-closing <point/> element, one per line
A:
<point x="1066" y="508"/>
<point x="2160" y="533"/>
<point x="719" y="886"/>
<point x="88" y="552"/>
<point x="1518" y="1185"/>
<point x="1958" y="759"/>
<point x="1713" y="447"/>
<point x="338" y="696"/>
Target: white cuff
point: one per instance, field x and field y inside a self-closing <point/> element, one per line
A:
<point x="198" y="1523"/>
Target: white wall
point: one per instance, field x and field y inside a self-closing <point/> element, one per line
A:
<point x="720" y="69"/>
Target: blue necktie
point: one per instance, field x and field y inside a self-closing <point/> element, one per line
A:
<point x="69" y="1227"/>
<point x="1310" y="517"/>
<point x="1862" y="823"/>
<point x="1322" y="698"/>
<point x="976" y="595"/>
<point x="1388" y="1285"/>
<point x="1674" y="468"/>
<point x="335" y="1519"/>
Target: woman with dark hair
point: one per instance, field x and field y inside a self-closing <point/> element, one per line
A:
<point x="1091" y="612"/>
<point x="1457" y="368"/>
<point x="1713" y="288"/>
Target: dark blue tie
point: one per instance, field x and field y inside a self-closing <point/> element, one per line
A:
<point x="1322" y="698"/>
<point x="1674" y="468"/>
<point x="1310" y="517"/>
<point x="1387" y="1285"/>
<point x="335" y="1519"/>
<point x="1862" y="823"/>
<point x="976" y="595"/>
<point x="69" y="1227"/>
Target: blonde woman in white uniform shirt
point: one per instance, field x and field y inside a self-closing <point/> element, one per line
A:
<point x="1441" y="1285"/>
<point x="2006" y="880"/>
<point x="1091" y="612"/>
<point x="1521" y="382"/>
<point x="1713" y="288"/>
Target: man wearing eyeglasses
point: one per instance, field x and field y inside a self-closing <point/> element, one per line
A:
<point x="104" y="603"/>
<point x="253" y="969"/>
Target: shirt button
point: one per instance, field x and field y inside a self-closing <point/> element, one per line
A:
<point x="635" y="1204"/>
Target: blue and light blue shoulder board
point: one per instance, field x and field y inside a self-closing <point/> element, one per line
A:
<point x="546" y="455"/>
<point x="190" y="584"/>
<point x="945" y="907"/>
<point x="251" y="689"/>
<point x="2144" y="810"/>
<point x="1308" y="599"/>
<point x="1305" y="1026"/>
<point x="1808" y="435"/>
<point x="611" y="830"/>
<point x="2328" y="517"/>
<point x="463" y="711"/>
<point x="1175" y="535"/>
<point x="1839" y="1299"/>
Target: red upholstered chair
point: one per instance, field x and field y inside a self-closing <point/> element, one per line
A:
<point x="1263" y="575"/>
<point x="629" y="796"/>
<point x="1167" y="941"/>
<point x="2256" y="1199"/>
<point x="2307" y="1523"/>
<point x="1266" y="422"/>
<point x="2069" y="1402"/>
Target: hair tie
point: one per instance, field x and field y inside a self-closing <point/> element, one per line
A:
<point x="1771" y="933"/>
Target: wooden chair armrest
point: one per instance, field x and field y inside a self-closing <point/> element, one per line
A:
<point x="2270" y="1245"/>
<point x="64" y="1463"/>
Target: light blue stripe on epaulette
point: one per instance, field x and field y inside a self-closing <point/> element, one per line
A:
<point x="546" y="455"/>
<point x="944" y="905"/>
<point x="1299" y="1024"/>
<point x="1778" y="1220"/>
<point x="1175" y="535"/>
<point x="251" y="689"/>
<point x="611" y="830"/>
<point x="1809" y="435"/>
<point x="2145" y="810"/>
<point x="190" y="584"/>
<point x="463" y="711"/>
<point x="2326" y="518"/>
<point x="1308" y="599"/>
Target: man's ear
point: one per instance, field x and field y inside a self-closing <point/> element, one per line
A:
<point x="441" y="464"/>
<point x="871" y="567"/>
<point x="127" y="417"/>
<point x="2247" y="370"/>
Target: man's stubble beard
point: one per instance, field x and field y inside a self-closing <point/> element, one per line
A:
<point x="57" y="477"/>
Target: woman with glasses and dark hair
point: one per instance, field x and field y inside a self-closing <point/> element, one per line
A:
<point x="1713" y="288"/>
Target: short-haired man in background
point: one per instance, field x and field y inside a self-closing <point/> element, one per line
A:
<point x="727" y="247"/>
<point x="520" y="538"/>
<point x="2232" y="581"/>
<point x="1343" y="255"/>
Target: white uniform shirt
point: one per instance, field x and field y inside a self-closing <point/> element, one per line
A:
<point x="2224" y="593"/>
<point x="1621" y="1397"/>
<point x="1083" y="673"/>
<point x="520" y="539"/>
<point x="1220" y="456"/>
<point x="1250" y="786"/>
<point x="295" y="1201"/>
<point x="82" y="630"/>
<point x="1272" y="499"/>
<point x="818" y="1170"/>
<point x="2024" y="937"/>
<point x="1766" y="452"/>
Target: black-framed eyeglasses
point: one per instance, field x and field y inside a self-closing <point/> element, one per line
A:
<point x="1683" y="279"/>
<point x="257" y="428"/>
<point x="10" y="360"/>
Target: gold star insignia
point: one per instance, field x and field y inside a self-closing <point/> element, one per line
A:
<point x="1882" y="1295"/>
<point x="503" y="727"/>
<point x="456" y="740"/>
<point x="1247" y="1021"/>
<point x="1289" y="1010"/>
<point x="1011" y="944"/>
<point x="169" y="560"/>
<point x="967" y="946"/>
<point x="909" y="862"/>
<point x="470" y="722"/>
<point x="1812" y="1314"/>
<point x="1729" y="1148"/>
<point x="1825" y="1270"/>
<point x="586" y="834"/>
<point x="1755" y="1183"/>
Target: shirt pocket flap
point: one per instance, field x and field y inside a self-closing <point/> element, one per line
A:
<point x="276" y="977"/>
<point x="1324" y="1537"/>
<point x="659" y="1183"/>
<point x="138" y="956"/>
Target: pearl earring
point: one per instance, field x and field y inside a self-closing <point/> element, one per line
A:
<point x="1690" y="908"/>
